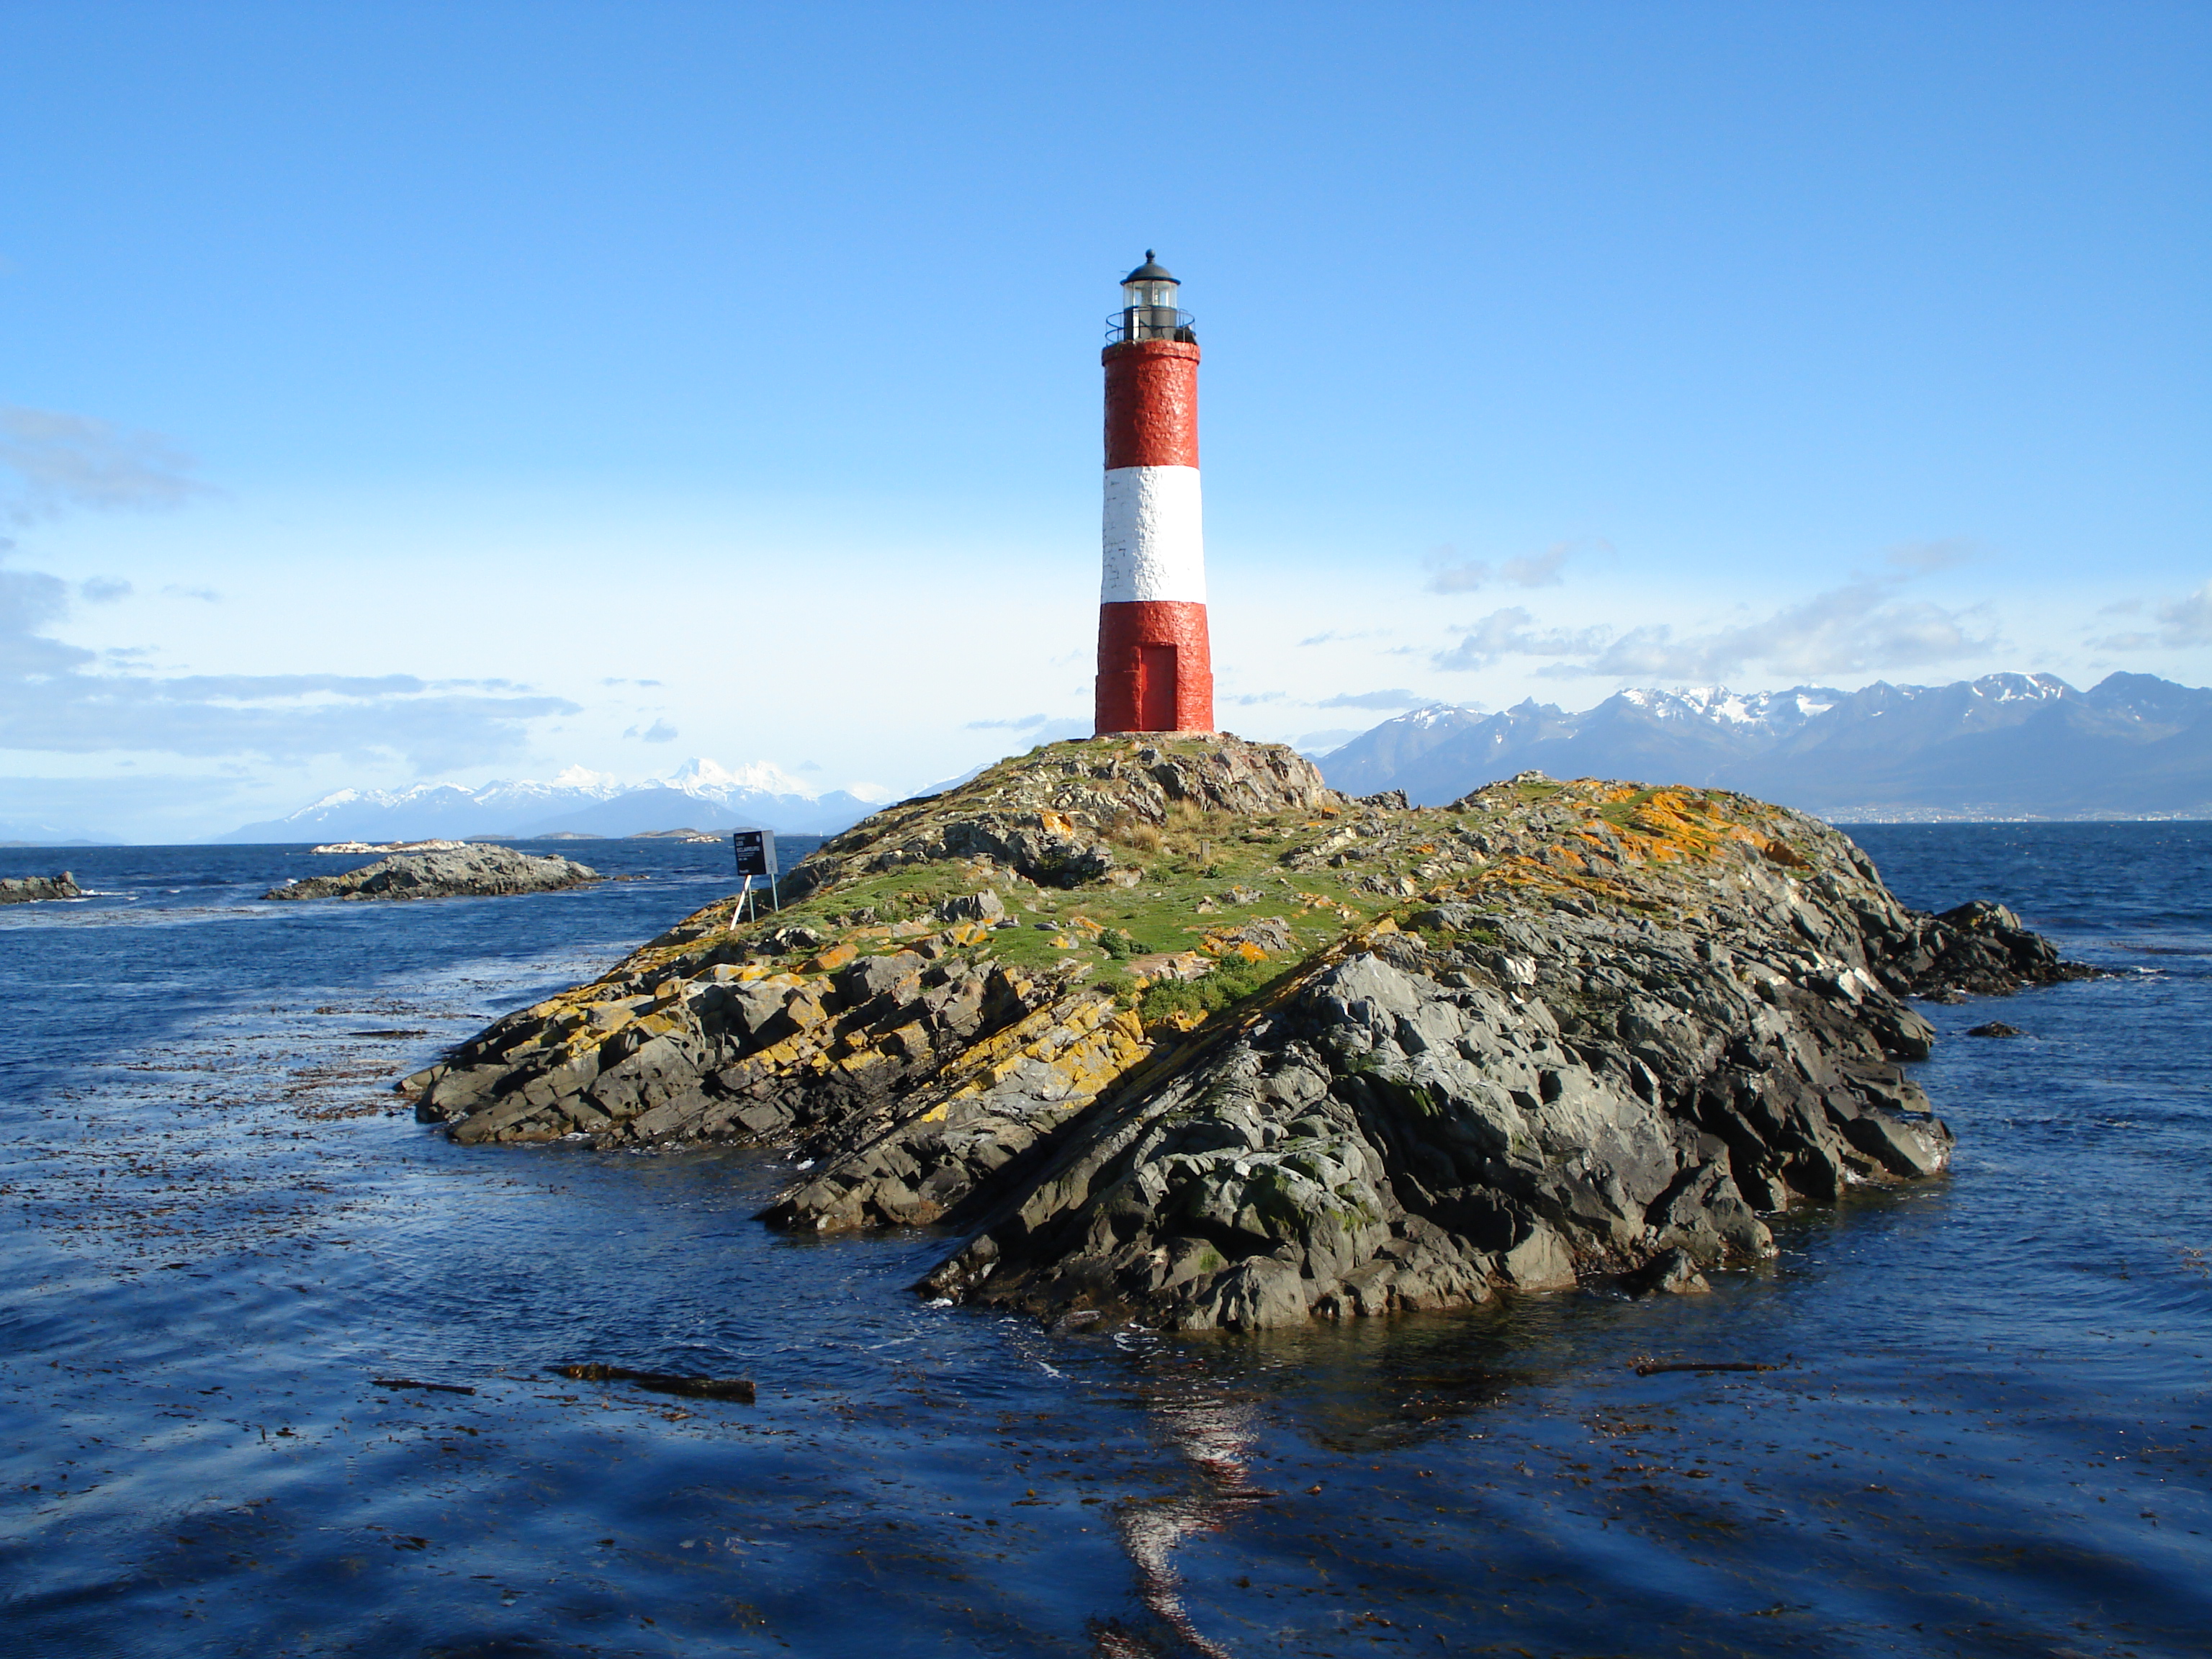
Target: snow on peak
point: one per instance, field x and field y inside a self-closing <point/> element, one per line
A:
<point x="1715" y="703"/>
<point x="1772" y="712"/>
<point x="702" y="776"/>
<point x="2022" y="688"/>
<point x="1438" y="714"/>
<point x="1809" y="701"/>
<point x="582" y="777"/>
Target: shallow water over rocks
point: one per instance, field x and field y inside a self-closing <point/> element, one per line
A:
<point x="1987" y="1434"/>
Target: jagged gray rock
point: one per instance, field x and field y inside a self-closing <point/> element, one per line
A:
<point x="474" y="871"/>
<point x="1550" y="1033"/>
<point x="33" y="890"/>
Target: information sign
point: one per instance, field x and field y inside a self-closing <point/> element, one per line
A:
<point x="756" y="852"/>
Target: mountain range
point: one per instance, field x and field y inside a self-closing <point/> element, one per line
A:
<point x="700" y="794"/>
<point x="2002" y="746"/>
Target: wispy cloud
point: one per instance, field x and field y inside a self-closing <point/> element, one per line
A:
<point x="1866" y="624"/>
<point x="1332" y="637"/>
<point x="64" y="699"/>
<point x="61" y="698"/>
<point x="1452" y="574"/>
<point x="1039" y="728"/>
<point x="1512" y="632"/>
<point x="29" y="601"/>
<point x="2181" y="623"/>
<point x="1922" y="558"/>
<point x="1392" y="699"/>
<point x="1859" y="628"/>
<point x="659" y="731"/>
<point x="58" y="460"/>
<point x="1319" y="742"/>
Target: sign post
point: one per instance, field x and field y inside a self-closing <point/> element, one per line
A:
<point x="756" y="853"/>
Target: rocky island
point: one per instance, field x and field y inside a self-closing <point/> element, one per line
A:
<point x="33" y="890"/>
<point x="454" y="872"/>
<point x="1165" y="1029"/>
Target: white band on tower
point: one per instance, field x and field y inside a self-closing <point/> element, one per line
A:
<point x="1155" y="541"/>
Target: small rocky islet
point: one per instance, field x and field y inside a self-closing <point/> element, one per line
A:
<point x="455" y="872"/>
<point x="39" y="890"/>
<point x="1164" y="1029"/>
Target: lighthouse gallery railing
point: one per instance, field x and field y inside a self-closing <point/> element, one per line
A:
<point x="1150" y="323"/>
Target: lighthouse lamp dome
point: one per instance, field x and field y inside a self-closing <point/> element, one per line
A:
<point x="1148" y="304"/>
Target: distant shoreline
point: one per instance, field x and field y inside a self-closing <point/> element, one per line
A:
<point x="1858" y="815"/>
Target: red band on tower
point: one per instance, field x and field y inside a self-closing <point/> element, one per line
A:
<point x="1155" y="667"/>
<point x="1151" y="404"/>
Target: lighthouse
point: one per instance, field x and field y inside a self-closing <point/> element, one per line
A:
<point x="1155" y="666"/>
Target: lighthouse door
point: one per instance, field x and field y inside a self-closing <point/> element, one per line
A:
<point x="1156" y="687"/>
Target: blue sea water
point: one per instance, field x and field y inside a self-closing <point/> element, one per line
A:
<point x="1987" y="1434"/>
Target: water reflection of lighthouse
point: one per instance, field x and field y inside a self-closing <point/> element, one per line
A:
<point x="1155" y="664"/>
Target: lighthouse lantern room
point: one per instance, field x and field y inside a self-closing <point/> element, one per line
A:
<point x="1155" y="663"/>
<point x="1148" y="306"/>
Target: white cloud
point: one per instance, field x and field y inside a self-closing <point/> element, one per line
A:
<point x="1863" y="626"/>
<point x="57" y="698"/>
<point x="1392" y="699"/>
<point x="1333" y="638"/>
<point x="1511" y="633"/>
<point x="1465" y="578"/>
<point x="1543" y="569"/>
<point x="2182" y="622"/>
<point x="1920" y="558"/>
<point x="60" y="460"/>
<point x="1320" y="742"/>
<point x="29" y="599"/>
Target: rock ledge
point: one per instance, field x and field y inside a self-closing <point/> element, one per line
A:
<point x="33" y="889"/>
<point x="1166" y="1031"/>
<point x="472" y="871"/>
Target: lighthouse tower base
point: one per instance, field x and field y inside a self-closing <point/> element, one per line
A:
<point x="1155" y="667"/>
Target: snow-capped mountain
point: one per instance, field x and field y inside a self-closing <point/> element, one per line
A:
<point x="1429" y="752"/>
<point x="2005" y="745"/>
<point x="700" y="794"/>
<point x="1775" y="713"/>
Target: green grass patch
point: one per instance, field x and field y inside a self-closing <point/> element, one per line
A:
<point x="1621" y="814"/>
<point x="1192" y="858"/>
<point x="1231" y="983"/>
<point x="1117" y="985"/>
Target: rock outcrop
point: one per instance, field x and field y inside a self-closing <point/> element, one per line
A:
<point x="462" y="873"/>
<point x="1169" y="1031"/>
<point x="31" y="890"/>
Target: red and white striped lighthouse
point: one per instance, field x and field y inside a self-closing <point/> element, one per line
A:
<point x="1155" y="666"/>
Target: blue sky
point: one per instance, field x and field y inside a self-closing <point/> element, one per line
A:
<point x="464" y="391"/>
